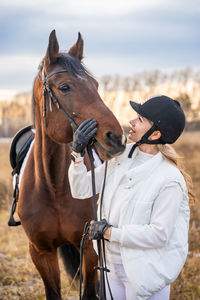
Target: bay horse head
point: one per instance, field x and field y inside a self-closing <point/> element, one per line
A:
<point x="67" y="94"/>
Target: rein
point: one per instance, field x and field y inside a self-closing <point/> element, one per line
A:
<point x="100" y="244"/>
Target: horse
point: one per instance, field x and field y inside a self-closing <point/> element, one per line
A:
<point x="51" y="218"/>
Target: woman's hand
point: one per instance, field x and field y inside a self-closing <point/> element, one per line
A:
<point x="98" y="229"/>
<point x="107" y="233"/>
<point x="83" y="135"/>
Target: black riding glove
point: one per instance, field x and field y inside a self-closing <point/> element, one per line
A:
<point x="97" y="229"/>
<point x="83" y="134"/>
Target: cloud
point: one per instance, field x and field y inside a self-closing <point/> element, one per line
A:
<point x="19" y="72"/>
<point x="118" y="38"/>
<point x="86" y="7"/>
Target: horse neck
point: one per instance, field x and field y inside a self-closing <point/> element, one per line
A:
<point x="51" y="159"/>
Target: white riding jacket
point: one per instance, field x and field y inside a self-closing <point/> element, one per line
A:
<point x="151" y="233"/>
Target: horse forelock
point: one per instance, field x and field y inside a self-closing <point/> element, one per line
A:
<point x="72" y="65"/>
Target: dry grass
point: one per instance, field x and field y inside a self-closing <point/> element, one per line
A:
<point x="5" y="176"/>
<point x="5" y="166"/>
<point x="187" y="286"/>
<point x="19" y="279"/>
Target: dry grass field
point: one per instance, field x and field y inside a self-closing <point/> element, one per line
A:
<point x="19" y="279"/>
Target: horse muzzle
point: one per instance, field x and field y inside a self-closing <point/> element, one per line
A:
<point x="116" y="146"/>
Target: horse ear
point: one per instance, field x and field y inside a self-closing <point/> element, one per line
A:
<point x="77" y="49"/>
<point x="52" y="50"/>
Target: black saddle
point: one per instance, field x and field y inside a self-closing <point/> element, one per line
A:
<point x="19" y="147"/>
<point x="18" y="150"/>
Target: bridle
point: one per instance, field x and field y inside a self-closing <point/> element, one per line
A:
<point x="47" y="91"/>
<point x="100" y="245"/>
<point x="52" y="98"/>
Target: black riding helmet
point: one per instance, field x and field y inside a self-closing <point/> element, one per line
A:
<point x="167" y="117"/>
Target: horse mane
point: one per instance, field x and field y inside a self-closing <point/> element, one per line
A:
<point x="72" y="65"/>
<point x="33" y="105"/>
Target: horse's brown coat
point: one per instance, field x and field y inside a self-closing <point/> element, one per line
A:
<point x="48" y="213"/>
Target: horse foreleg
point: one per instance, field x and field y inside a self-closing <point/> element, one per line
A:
<point x="46" y="263"/>
<point x="89" y="273"/>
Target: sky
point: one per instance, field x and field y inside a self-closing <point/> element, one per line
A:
<point x="120" y="37"/>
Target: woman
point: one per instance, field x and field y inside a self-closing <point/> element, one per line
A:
<point x="145" y="206"/>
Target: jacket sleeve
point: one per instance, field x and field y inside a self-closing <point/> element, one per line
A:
<point x="163" y="218"/>
<point x="81" y="182"/>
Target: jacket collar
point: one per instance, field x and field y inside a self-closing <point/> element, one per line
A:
<point x="135" y="173"/>
<point x="144" y="170"/>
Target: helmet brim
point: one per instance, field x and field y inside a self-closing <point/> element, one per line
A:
<point x="136" y="106"/>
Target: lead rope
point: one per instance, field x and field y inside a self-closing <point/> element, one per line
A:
<point x="102" y="292"/>
<point x="100" y="243"/>
<point x="103" y="241"/>
<point x="82" y="245"/>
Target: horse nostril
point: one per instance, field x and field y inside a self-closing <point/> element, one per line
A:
<point x="109" y="134"/>
<point x="113" y="140"/>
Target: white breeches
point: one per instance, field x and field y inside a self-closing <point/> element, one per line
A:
<point x="122" y="289"/>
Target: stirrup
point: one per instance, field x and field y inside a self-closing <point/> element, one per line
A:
<point x="11" y="221"/>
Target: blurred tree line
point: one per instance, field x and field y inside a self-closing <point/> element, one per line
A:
<point x="183" y="85"/>
<point x="116" y="91"/>
<point x="15" y="114"/>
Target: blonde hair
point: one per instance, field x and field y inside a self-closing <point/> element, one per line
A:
<point x="174" y="158"/>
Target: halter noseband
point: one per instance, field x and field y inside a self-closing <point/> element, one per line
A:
<point x="52" y="98"/>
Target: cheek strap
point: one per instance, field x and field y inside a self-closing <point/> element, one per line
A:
<point x="145" y="140"/>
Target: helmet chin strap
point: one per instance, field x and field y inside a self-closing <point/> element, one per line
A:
<point x="145" y="140"/>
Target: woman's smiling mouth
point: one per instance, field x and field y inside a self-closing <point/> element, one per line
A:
<point x="131" y="131"/>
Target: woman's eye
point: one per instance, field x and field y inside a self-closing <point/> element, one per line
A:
<point x="65" y="88"/>
<point x="140" y="119"/>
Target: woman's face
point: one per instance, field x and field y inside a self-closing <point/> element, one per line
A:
<point x="139" y="127"/>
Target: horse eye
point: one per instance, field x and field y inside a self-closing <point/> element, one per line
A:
<point x="65" y="88"/>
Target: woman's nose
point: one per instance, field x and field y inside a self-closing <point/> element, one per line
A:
<point x="132" y="122"/>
